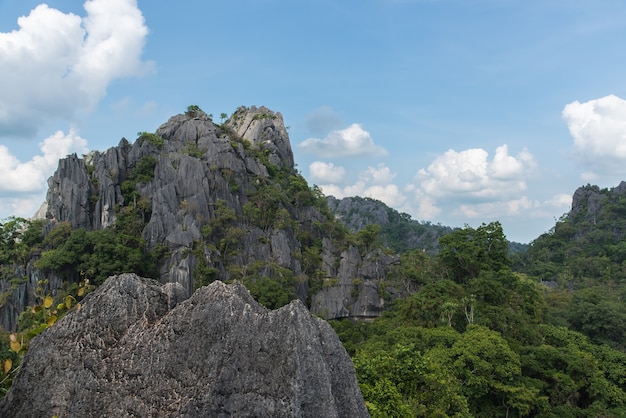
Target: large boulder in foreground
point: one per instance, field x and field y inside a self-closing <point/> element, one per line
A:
<point x="135" y="348"/>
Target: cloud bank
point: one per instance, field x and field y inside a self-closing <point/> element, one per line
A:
<point x="57" y="64"/>
<point x="467" y="184"/>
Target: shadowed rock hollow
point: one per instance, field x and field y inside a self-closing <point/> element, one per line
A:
<point x="136" y="348"/>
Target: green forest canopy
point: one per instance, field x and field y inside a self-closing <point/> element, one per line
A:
<point x="488" y="333"/>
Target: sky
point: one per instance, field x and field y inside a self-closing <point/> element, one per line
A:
<point x="458" y="112"/>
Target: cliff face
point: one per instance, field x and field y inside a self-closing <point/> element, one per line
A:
<point x="223" y="198"/>
<point x="137" y="348"/>
<point x="590" y="203"/>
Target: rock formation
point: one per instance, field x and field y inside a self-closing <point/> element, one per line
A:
<point x="220" y="198"/>
<point x="138" y="348"/>
<point x="589" y="202"/>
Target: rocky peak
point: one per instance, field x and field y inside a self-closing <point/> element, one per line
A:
<point x="262" y="126"/>
<point x="137" y="348"/>
<point x="589" y="201"/>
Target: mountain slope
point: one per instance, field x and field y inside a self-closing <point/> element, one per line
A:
<point x="397" y="230"/>
<point x="199" y="202"/>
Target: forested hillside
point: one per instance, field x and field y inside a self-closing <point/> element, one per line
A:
<point x="537" y="334"/>
<point x="438" y="321"/>
<point x="397" y="230"/>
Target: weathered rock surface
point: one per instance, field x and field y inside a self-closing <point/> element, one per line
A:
<point x="136" y="348"/>
<point x="589" y="202"/>
<point x="200" y="170"/>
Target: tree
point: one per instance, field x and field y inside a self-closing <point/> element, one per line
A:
<point x="401" y="376"/>
<point x="432" y="302"/>
<point x="368" y="238"/>
<point x="468" y="251"/>
<point x="490" y="372"/>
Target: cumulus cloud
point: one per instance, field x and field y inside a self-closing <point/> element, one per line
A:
<point x="599" y="131"/>
<point x="375" y="182"/>
<point x="470" y="174"/>
<point x="349" y="142"/>
<point x="57" y="64"/>
<point x="381" y="174"/>
<point x="31" y="176"/>
<point x="326" y="172"/>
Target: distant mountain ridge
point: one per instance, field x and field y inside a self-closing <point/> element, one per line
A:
<point x="398" y="231"/>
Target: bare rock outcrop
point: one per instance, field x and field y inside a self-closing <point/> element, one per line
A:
<point x="222" y="199"/>
<point x="136" y="348"/>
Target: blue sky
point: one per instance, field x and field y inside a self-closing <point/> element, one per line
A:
<point x="454" y="111"/>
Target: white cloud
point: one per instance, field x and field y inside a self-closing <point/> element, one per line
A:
<point x="589" y="176"/>
<point x="349" y="142"/>
<point x="470" y="174"/>
<point x="515" y="207"/>
<point x="381" y="174"/>
<point x="326" y="172"/>
<point x="388" y="193"/>
<point x="375" y="182"/>
<point x="31" y="176"/>
<point x="57" y="64"/>
<point x="599" y="131"/>
<point x="422" y="206"/>
<point x="24" y="205"/>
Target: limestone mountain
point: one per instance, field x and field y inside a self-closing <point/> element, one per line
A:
<point x="207" y="202"/>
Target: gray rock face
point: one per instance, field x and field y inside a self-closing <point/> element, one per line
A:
<point x="355" y="292"/>
<point x="590" y="201"/>
<point x="199" y="169"/>
<point x="136" y="348"/>
<point x="262" y="126"/>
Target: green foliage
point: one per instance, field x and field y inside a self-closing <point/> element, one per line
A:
<point x="600" y="314"/>
<point x="261" y="116"/>
<point x="424" y="307"/>
<point x="143" y="173"/>
<point x="574" y="375"/>
<point x="368" y="238"/>
<point x="18" y="239"/>
<point x="151" y="138"/>
<point x="32" y="322"/>
<point x="477" y="344"/>
<point x="468" y="251"/>
<point x="192" y="149"/>
<point x="261" y="209"/>
<point x="398" y="231"/>
<point x="415" y="371"/>
<point x="100" y="254"/>
<point x="271" y="285"/>
<point x="193" y="111"/>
